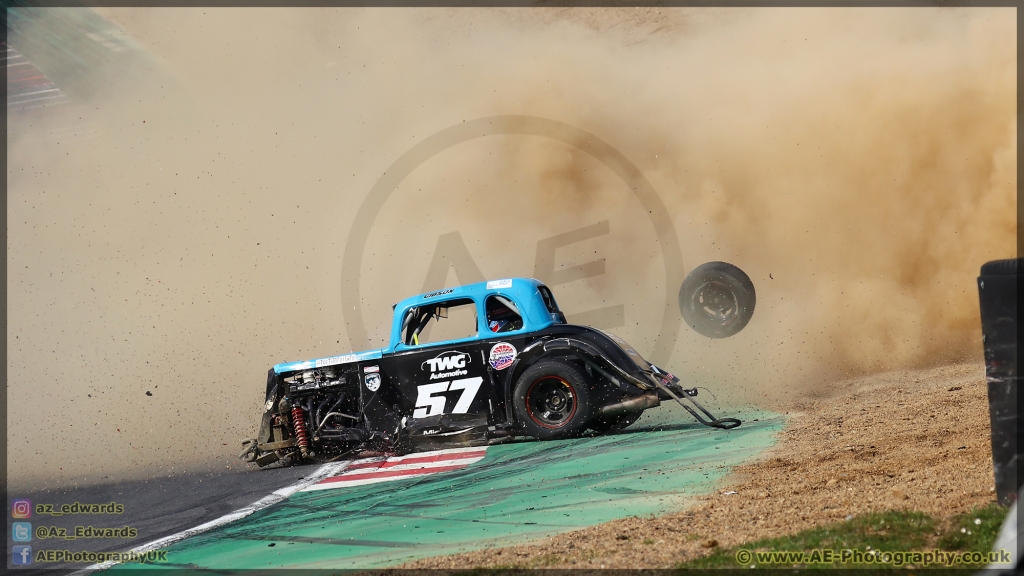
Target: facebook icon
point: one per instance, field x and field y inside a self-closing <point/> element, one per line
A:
<point x="21" y="555"/>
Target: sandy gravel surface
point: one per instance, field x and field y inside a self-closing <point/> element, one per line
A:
<point x="907" y="440"/>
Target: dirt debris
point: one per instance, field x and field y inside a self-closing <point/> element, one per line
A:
<point x="833" y="154"/>
<point x="904" y="440"/>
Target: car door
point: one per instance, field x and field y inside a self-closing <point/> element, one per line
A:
<point x="442" y="368"/>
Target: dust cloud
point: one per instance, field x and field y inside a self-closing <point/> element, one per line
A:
<point x="858" y="164"/>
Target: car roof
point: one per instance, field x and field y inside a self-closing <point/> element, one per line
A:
<point x="519" y="288"/>
<point x="522" y="290"/>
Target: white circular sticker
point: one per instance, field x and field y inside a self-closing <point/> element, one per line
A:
<point x="502" y="355"/>
<point x="372" y="382"/>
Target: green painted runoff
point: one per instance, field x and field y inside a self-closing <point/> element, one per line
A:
<point x="518" y="492"/>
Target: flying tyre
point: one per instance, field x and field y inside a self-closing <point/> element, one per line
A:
<point x="717" y="299"/>
<point x="552" y="400"/>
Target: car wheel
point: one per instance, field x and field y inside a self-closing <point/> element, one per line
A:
<point x="552" y="400"/>
<point x="717" y="299"/>
<point x="614" y="423"/>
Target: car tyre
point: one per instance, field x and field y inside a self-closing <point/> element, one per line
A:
<point x="717" y="299"/>
<point x="552" y="400"/>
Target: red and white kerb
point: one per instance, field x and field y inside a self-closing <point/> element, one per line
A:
<point x="381" y="469"/>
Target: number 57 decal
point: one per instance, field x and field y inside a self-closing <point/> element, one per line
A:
<point x="427" y="404"/>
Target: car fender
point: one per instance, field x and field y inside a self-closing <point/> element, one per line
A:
<point x="270" y="406"/>
<point x="595" y="347"/>
<point x="273" y="385"/>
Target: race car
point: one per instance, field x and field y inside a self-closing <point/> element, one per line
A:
<point x="477" y="364"/>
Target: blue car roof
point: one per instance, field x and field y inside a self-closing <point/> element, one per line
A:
<point x="518" y="288"/>
<point x="523" y="291"/>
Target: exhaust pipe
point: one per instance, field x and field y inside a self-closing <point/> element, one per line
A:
<point x="635" y="404"/>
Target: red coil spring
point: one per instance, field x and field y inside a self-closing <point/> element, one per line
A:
<point x="299" y="422"/>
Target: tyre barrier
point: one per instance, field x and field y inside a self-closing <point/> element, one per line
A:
<point x="997" y="290"/>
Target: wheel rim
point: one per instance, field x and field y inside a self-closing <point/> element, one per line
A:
<point x="718" y="303"/>
<point x="551" y="402"/>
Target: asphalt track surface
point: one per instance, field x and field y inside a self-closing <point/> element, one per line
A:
<point x="516" y="492"/>
<point x="156" y="508"/>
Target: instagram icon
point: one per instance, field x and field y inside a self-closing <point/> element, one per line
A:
<point x="21" y="509"/>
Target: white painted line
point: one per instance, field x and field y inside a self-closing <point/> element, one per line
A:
<point x="416" y="465"/>
<point x="349" y="483"/>
<point x="40" y="99"/>
<point x="275" y="497"/>
<point x="38" y="92"/>
<point x="59" y="94"/>
<point x="432" y="453"/>
<point x="106" y="43"/>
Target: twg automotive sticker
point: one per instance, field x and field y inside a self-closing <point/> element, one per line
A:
<point x="502" y="355"/>
<point x="372" y="381"/>
<point x="430" y="398"/>
<point x="447" y="364"/>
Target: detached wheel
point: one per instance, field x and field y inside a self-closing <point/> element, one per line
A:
<point x="717" y="299"/>
<point x="552" y="400"/>
<point x="615" y="423"/>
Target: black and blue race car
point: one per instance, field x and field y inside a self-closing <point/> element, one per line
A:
<point x="477" y="364"/>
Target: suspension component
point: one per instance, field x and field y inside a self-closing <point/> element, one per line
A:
<point x="284" y="409"/>
<point x="301" y="435"/>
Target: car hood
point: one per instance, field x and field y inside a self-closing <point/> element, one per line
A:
<point x="328" y="361"/>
